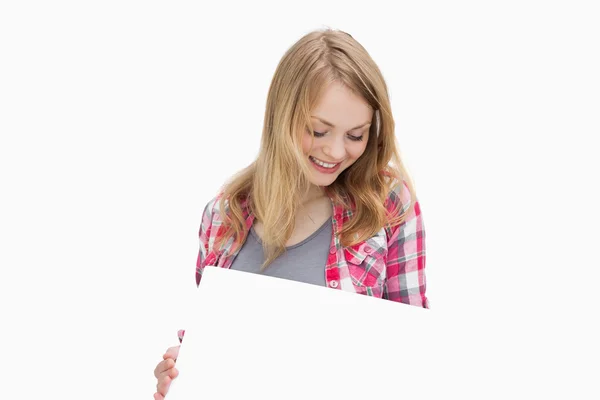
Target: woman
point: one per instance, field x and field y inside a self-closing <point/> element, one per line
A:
<point x="327" y="201"/>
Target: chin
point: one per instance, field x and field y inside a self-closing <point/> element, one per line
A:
<point x="323" y="180"/>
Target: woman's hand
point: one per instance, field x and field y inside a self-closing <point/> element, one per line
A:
<point x="165" y="372"/>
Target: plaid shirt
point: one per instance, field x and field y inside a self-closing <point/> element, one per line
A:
<point x="389" y="265"/>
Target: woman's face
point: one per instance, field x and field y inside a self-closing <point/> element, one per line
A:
<point x="341" y="121"/>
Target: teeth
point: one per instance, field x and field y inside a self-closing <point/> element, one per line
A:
<point x="321" y="163"/>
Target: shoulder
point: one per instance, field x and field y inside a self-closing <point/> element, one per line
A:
<point x="400" y="196"/>
<point x="216" y="210"/>
<point x="402" y="205"/>
<point x="212" y="210"/>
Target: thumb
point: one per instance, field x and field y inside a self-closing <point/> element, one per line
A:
<point x="172" y="352"/>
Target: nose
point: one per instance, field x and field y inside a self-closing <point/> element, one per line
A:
<point x="335" y="149"/>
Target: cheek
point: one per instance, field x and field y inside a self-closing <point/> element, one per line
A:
<point x="354" y="152"/>
<point x="306" y="139"/>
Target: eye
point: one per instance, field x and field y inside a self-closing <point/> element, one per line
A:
<point x="351" y="137"/>
<point x="356" y="138"/>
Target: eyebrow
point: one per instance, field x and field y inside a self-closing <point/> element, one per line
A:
<point x="333" y="126"/>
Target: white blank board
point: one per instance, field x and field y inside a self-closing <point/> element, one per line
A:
<point x="252" y="336"/>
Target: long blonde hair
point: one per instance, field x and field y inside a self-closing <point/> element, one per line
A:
<point x="273" y="185"/>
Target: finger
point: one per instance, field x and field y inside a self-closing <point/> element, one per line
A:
<point x="162" y="386"/>
<point x="158" y="369"/>
<point x="172" y="352"/>
<point x="171" y="373"/>
<point x="158" y="396"/>
<point x="163" y="366"/>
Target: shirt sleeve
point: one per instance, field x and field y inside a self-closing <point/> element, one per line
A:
<point x="405" y="281"/>
<point x="204" y="235"/>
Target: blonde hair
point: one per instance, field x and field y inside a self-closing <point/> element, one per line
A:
<point x="273" y="185"/>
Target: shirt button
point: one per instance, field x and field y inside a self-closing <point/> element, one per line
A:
<point x="368" y="249"/>
<point x="333" y="284"/>
<point x="332" y="249"/>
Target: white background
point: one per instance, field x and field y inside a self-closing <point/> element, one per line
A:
<point x="119" y="120"/>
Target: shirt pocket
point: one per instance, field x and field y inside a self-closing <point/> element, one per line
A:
<point x="367" y="265"/>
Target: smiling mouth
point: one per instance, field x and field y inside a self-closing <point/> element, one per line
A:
<point x="322" y="163"/>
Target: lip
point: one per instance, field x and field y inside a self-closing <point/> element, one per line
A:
<point x="323" y="169"/>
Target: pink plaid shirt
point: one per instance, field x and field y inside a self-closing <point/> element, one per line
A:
<point x="389" y="265"/>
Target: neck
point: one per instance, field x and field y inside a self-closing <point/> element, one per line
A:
<point x="314" y="193"/>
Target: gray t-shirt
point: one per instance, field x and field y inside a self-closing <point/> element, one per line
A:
<point x="302" y="262"/>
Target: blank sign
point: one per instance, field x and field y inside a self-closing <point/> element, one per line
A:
<point x="252" y="336"/>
